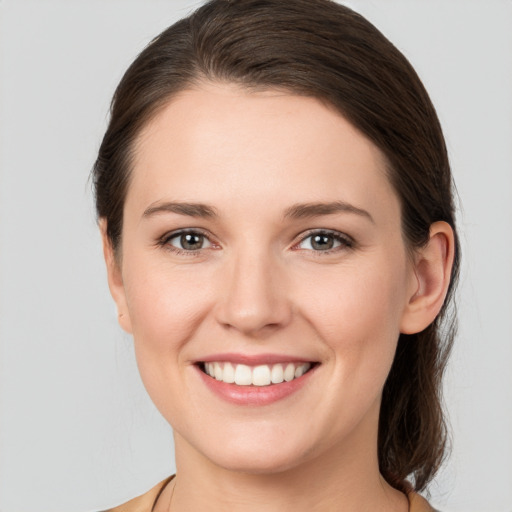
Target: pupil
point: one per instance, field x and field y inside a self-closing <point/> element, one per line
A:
<point x="322" y="242"/>
<point x="191" y="241"/>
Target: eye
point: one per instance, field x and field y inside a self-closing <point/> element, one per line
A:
<point x="324" y="241"/>
<point x="188" y="241"/>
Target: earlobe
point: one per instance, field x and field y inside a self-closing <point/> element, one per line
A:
<point x="115" y="279"/>
<point x="432" y="269"/>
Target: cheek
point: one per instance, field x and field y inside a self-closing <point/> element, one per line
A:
<point x="357" y="312"/>
<point x="358" y="299"/>
<point x="166" y="307"/>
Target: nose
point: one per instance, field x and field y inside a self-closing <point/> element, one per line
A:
<point x="254" y="299"/>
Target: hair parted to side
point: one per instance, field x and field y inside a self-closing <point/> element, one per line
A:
<point x="320" y="49"/>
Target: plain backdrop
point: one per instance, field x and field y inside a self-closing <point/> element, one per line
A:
<point x="77" y="430"/>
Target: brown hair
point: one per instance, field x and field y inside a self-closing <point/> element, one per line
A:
<point x="324" y="50"/>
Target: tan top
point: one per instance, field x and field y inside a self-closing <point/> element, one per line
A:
<point x="146" y="502"/>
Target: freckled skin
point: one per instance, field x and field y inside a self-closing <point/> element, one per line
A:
<point x="258" y="285"/>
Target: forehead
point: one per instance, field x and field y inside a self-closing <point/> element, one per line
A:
<point x="222" y="144"/>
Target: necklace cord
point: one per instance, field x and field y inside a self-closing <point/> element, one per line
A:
<point x="169" y="480"/>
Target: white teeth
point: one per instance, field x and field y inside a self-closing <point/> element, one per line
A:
<point x="299" y="372"/>
<point x="277" y="375"/>
<point x="289" y="372"/>
<point x="243" y="375"/>
<point x="261" y="375"/>
<point x="229" y="373"/>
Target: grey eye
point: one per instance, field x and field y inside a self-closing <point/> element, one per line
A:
<point x="323" y="242"/>
<point x="190" y="241"/>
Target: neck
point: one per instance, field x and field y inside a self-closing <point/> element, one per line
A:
<point x="340" y="479"/>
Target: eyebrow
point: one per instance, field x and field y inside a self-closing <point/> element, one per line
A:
<point x="307" y="210"/>
<point x="297" y="211"/>
<point x="189" y="209"/>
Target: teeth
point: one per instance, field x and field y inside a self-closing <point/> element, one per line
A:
<point x="289" y="372"/>
<point x="262" y="375"/>
<point x="299" y="372"/>
<point x="217" y="371"/>
<point x="229" y="373"/>
<point x="243" y="375"/>
<point x="277" y="374"/>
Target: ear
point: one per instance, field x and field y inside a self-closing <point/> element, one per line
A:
<point x="115" y="279"/>
<point x="432" y="269"/>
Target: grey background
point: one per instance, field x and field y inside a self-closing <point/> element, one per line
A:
<point x="77" y="431"/>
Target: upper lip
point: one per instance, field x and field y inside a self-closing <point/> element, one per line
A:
<point x="254" y="359"/>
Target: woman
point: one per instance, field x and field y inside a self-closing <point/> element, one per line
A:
<point x="276" y="208"/>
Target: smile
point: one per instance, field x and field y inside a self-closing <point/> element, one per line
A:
<point x="260" y="375"/>
<point x="255" y="380"/>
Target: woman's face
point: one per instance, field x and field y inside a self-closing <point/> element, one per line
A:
<point x="261" y="236"/>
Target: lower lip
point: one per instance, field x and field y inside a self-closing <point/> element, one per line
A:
<point x="254" y="395"/>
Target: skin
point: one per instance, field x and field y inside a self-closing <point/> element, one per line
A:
<point x="258" y="286"/>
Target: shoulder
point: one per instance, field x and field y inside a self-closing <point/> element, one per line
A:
<point x="418" y="503"/>
<point x="143" y="503"/>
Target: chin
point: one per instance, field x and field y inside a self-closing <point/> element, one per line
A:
<point x="258" y="464"/>
<point x="262" y="455"/>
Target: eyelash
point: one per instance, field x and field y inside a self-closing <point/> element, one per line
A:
<point x="344" y="241"/>
<point x="166" y="239"/>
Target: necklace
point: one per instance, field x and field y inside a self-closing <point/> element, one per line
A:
<point x="172" y="495"/>
<point x="169" y="505"/>
<point x="170" y="481"/>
